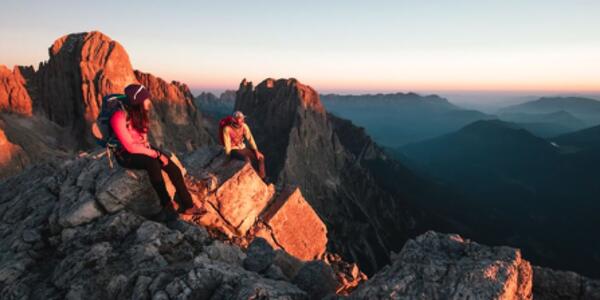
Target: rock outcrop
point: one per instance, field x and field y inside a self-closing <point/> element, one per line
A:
<point x="363" y="197"/>
<point x="290" y="223"/>
<point x="446" y="266"/>
<point x="81" y="69"/>
<point x="79" y="229"/>
<point x="13" y="92"/>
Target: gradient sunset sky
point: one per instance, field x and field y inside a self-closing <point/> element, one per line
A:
<point x="335" y="46"/>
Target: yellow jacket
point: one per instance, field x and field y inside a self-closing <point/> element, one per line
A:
<point x="247" y="134"/>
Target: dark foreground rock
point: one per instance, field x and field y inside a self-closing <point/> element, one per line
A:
<point x="441" y="266"/>
<point x="553" y="285"/>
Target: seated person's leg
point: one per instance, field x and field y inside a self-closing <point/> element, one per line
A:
<point x="153" y="168"/>
<point x="184" y="199"/>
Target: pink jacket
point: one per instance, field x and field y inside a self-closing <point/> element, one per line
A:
<point x="132" y="140"/>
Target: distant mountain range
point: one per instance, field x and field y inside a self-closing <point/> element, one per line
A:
<point x="584" y="109"/>
<point x="546" y="124"/>
<point x="216" y="107"/>
<point x="538" y="193"/>
<point x="397" y="119"/>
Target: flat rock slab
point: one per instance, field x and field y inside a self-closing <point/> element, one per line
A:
<point x="293" y="225"/>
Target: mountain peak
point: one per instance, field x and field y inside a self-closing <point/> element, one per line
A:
<point x="302" y="95"/>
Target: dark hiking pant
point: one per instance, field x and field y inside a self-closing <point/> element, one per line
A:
<point x="250" y="156"/>
<point x="153" y="167"/>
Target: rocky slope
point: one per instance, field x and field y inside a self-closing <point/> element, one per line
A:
<point x="78" y="229"/>
<point x="29" y="139"/>
<point x="68" y="88"/>
<point x="365" y="199"/>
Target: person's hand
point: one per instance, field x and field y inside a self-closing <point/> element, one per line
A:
<point x="164" y="159"/>
<point x="259" y="155"/>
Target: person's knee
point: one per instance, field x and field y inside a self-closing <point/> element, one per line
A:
<point x="170" y="167"/>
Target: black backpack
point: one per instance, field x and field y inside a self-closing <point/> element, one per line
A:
<point x="101" y="129"/>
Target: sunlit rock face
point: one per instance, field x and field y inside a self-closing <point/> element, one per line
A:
<point x="292" y="224"/>
<point x="81" y="68"/>
<point x="12" y="157"/>
<point x="446" y="266"/>
<point x="14" y="96"/>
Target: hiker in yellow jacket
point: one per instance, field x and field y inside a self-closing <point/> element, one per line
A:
<point x="235" y="130"/>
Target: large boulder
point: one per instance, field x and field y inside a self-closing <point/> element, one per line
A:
<point x="446" y="266"/>
<point x="238" y="195"/>
<point x="294" y="226"/>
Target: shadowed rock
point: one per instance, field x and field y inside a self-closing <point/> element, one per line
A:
<point x="317" y="279"/>
<point x="260" y="256"/>
<point x="550" y="284"/>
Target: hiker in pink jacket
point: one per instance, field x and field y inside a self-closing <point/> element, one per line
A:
<point x="130" y="127"/>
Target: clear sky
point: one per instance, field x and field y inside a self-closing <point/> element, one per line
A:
<point x="335" y="46"/>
